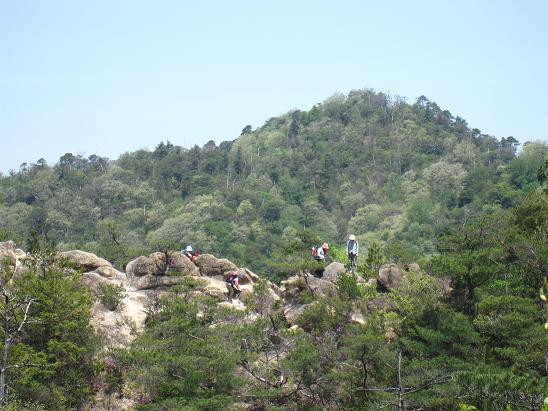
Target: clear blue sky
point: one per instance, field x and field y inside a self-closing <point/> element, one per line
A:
<point x="106" y="77"/>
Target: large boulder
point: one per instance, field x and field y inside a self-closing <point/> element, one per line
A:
<point x="9" y="249"/>
<point x="390" y="277"/>
<point x="180" y="262"/>
<point x="293" y="288"/>
<point x="154" y="264"/>
<point x="13" y="257"/>
<point x="247" y="276"/>
<point x="332" y="271"/>
<point x="211" y="266"/>
<point x="83" y="259"/>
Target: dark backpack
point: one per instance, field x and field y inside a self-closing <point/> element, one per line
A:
<point x="315" y="253"/>
<point x="230" y="276"/>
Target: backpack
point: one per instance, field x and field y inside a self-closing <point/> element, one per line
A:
<point x="315" y="253"/>
<point x="230" y="276"/>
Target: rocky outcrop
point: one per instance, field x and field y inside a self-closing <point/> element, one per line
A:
<point x="149" y="273"/>
<point x="293" y="312"/>
<point x="390" y="277"/>
<point x="211" y="266"/>
<point x="13" y="257"/>
<point x="118" y="328"/>
<point x="181" y="263"/>
<point x="94" y="281"/>
<point x="147" y="277"/>
<point x="293" y="288"/>
<point x="110" y="272"/>
<point x="332" y="271"/>
<point x="160" y="269"/>
<point x="9" y="249"/>
<point x="212" y="287"/>
<point x="154" y="264"/>
<point x="84" y="260"/>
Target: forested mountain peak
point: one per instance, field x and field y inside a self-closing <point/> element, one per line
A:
<point x="368" y="163"/>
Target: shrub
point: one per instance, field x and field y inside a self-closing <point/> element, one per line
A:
<point x="110" y="295"/>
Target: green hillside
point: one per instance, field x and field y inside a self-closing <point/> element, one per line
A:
<point x="391" y="172"/>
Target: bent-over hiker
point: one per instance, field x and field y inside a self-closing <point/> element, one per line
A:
<point x="319" y="253"/>
<point x="233" y="285"/>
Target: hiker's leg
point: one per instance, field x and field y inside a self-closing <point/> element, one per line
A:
<point x="230" y="292"/>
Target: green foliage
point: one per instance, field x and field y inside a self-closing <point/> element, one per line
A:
<point x="347" y="286"/>
<point x="472" y="259"/>
<point x="58" y="340"/>
<point x="111" y="295"/>
<point x="21" y="406"/>
<point x="182" y="362"/>
<point x="375" y="258"/>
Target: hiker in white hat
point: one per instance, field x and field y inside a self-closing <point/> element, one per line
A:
<point x="352" y="250"/>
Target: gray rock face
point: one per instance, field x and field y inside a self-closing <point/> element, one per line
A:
<point x="332" y="271"/>
<point x="83" y="259"/>
<point x="211" y="266"/>
<point x="390" y="277"/>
